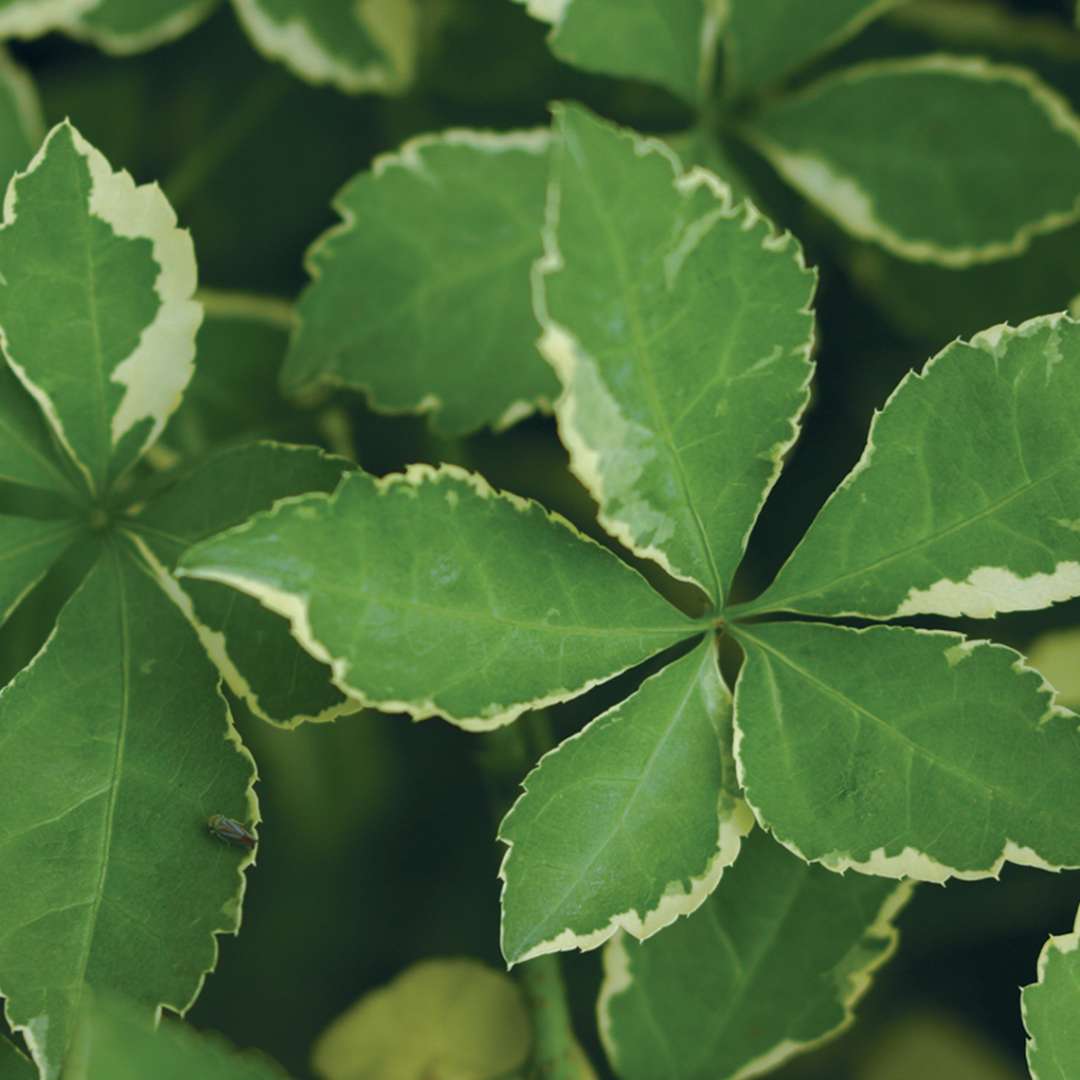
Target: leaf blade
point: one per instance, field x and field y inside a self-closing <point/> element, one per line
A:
<point x="81" y="239"/>
<point x="396" y="306"/>
<point x="27" y="549"/>
<point x="1049" y="1007"/>
<point x="765" y="40"/>
<point x="355" y="48"/>
<point x="673" y="739"/>
<point x="669" y="42"/>
<point x="252" y="648"/>
<point x="123" y="680"/>
<point x="958" y="210"/>
<point x="992" y="528"/>
<point x="703" y="1000"/>
<point x="648" y="412"/>
<point x="980" y="742"/>
<point x="415" y="597"/>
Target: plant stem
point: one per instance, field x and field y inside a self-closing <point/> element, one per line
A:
<point x="184" y="181"/>
<point x="555" y="1054"/>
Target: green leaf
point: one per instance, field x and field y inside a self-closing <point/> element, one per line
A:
<point x="680" y="328"/>
<point x="1050" y="1007"/>
<point x="628" y="824"/>
<point x="115" y="1041"/>
<point x="1056" y="654"/>
<point x="771" y="966"/>
<point x="454" y="1018"/>
<point x="430" y="593"/>
<point x="992" y="170"/>
<point x="27" y="549"/>
<point x="259" y="659"/>
<point x="80" y="239"/>
<point x="14" y="1064"/>
<point x="234" y="396"/>
<point x="22" y="126"/>
<point x="421" y="298"/>
<point x="966" y="500"/>
<point x="905" y="753"/>
<point x="669" y="42"/>
<point x="129" y="26"/>
<point x="764" y="40"/>
<point x="355" y="47"/>
<point x="117" y="748"/>
<point x="27" y="452"/>
<point x="31" y="18"/>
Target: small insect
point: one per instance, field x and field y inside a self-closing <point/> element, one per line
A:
<point x="229" y="831"/>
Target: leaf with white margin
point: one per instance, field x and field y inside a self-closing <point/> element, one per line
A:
<point x="28" y="453"/>
<point x="261" y="662"/>
<point x="945" y="159"/>
<point x="117" y="747"/>
<point x="122" y="27"/>
<point x="628" y="824"/>
<point x="765" y="40"/>
<point x="358" y="46"/>
<point x="31" y="18"/>
<point x="27" y="549"/>
<point x="420" y="298"/>
<point x="668" y="42"/>
<point x="905" y="753"/>
<point x="96" y="311"/>
<point x="115" y="1041"/>
<point x="771" y="966"/>
<point x="446" y="1017"/>
<point x="430" y="593"/>
<point x="966" y="500"/>
<point x="680" y="328"/>
<point x="1056" y="654"/>
<point x="1050" y="1007"/>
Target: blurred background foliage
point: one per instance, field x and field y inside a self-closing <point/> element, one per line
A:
<point x="378" y="842"/>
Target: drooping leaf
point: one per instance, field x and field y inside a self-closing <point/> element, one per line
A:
<point x="22" y="126"/>
<point x="966" y="500"/>
<point x="448" y="1018"/>
<point x="771" y="966"/>
<point x="233" y="396"/>
<point x="355" y="47"/>
<point x="85" y="241"/>
<point x="27" y="549"/>
<point x="905" y="752"/>
<point x="669" y="42"/>
<point x="681" y="331"/>
<point x="130" y="26"/>
<point x="114" y="1041"/>
<point x="430" y="593"/>
<point x="31" y="18"/>
<point x="27" y="452"/>
<point x="117" y="747"/>
<point x="1050" y="1007"/>
<point x="945" y="159"/>
<point x="764" y="40"/>
<point x="1056" y="655"/>
<point x="251" y="646"/>
<point x="421" y="298"/>
<point x="628" y="824"/>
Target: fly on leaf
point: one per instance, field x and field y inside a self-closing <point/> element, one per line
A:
<point x="229" y="831"/>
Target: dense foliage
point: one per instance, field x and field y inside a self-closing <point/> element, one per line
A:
<point x="675" y="409"/>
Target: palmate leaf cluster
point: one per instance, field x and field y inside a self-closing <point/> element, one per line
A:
<point x="701" y="828"/>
